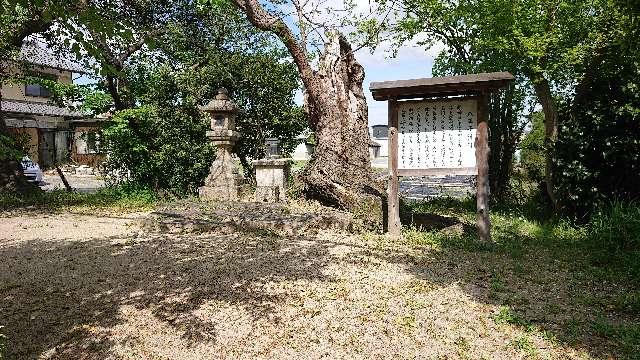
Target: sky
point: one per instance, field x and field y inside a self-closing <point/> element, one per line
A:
<point x="411" y="62"/>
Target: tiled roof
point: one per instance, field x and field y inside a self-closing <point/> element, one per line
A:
<point x="36" y="52"/>
<point x="23" y="107"/>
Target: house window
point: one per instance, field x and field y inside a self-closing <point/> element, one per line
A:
<point x="37" y="90"/>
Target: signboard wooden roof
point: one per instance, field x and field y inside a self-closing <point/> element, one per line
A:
<point x="440" y="86"/>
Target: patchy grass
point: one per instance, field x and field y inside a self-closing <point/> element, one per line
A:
<point x="123" y="198"/>
<point x="524" y="344"/>
<point x="597" y="264"/>
<point x="537" y="292"/>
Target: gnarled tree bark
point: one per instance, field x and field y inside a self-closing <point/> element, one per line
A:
<point x="550" y="110"/>
<point x="339" y="173"/>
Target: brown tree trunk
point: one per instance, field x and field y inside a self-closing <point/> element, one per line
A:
<point x="339" y="173"/>
<point x="543" y="93"/>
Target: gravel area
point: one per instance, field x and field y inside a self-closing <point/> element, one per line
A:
<point x="81" y="183"/>
<point x="89" y="287"/>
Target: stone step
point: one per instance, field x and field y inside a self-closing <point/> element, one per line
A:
<point x="249" y="217"/>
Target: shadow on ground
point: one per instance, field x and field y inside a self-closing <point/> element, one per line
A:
<point x="549" y="293"/>
<point x="56" y="293"/>
<point x="59" y="296"/>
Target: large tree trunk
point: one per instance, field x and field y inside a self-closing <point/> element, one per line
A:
<point x="339" y="173"/>
<point x="543" y="93"/>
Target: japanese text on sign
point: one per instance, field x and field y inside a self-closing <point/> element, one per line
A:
<point x="437" y="134"/>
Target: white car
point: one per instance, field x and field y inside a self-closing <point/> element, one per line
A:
<point x="31" y="170"/>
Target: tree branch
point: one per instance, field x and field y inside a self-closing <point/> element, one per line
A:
<point x="266" y="21"/>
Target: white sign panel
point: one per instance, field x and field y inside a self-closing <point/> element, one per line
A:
<point x="437" y="134"/>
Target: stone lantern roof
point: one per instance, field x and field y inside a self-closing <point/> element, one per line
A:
<point x="221" y="103"/>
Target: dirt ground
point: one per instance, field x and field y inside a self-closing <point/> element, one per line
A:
<point x="81" y="183"/>
<point x="96" y="287"/>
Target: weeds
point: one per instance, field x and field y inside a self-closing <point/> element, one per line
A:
<point x="506" y="316"/>
<point x="627" y="336"/>
<point x="523" y="343"/>
<point x="613" y="238"/>
<point x="122" y="197"/>
<point x="497" y="284"/>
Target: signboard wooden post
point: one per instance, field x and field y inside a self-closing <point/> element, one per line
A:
<point x="445" y="132"/>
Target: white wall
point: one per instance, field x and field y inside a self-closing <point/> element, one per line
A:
<point x="384" y="146"/>
<point x="302" y="152"/>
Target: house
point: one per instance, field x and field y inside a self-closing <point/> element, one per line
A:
<point x="380" y="135"/>
<point x="378" y="147"/>
<point x="374" y="149"/>
<point x="52" y="134"/>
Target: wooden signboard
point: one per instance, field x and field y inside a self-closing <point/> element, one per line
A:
<point x="443" y="133"/>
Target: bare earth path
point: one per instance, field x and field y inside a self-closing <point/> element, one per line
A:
<point x="91" y="287"/>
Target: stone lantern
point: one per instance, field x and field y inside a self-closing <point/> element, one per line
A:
<point x="225" y="178"/>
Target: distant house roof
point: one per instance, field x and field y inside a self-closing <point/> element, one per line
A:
<point x="33" y="108"/>
<point x="36" y="52"/>
<point x="89" y="121"/>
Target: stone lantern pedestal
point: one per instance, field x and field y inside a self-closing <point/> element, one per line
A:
<point x="225" y="178"/>
<point x="271" y="179"/>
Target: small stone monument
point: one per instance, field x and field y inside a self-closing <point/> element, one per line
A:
<point x="225" y="178"/>
<point x="271" y="175"/>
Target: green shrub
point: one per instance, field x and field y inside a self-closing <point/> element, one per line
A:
<point x="9" y="149"/>
<point x="616" y="228"/>
<point x="163" y="149"/>
<point x="598" y="149"/>
<point x="614" y="237"/>
<point x="532" y="151"/>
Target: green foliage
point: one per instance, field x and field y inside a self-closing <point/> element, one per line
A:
<point x="199" y="52"/>
<point x="626" y="336"/>
<point x="9" y="149"/>
<point x="159" y="147"/>
<point x="506" y="124"/>
<point x="611" y="238"/>
<point x="553" y="48"/>
<point x="598" y="149"/>
<point x="263" y="87"/>
<point x="614" y="237"/>
<point x="532" y="150"/>
<point x="506" y="316"/>
<point x="524" y="344"/>
<point x="86" y="98"/>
